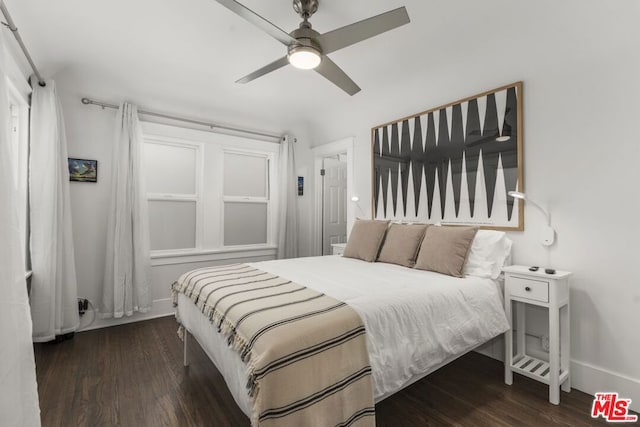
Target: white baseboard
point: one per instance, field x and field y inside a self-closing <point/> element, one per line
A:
<point x="160" y="308"/>
<point x="592" y="379"/>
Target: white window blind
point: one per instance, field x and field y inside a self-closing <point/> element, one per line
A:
<point x="172" y="176"/>
<point x="246" y="198"/>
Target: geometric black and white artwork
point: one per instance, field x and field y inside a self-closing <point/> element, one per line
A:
<point x="453" y="164"/>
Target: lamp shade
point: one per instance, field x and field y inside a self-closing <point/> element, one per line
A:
<point x="304" y="57"/>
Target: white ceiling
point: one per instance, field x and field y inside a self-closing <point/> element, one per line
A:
<point x="190" y="52"/>
<point x="183" y="56"/>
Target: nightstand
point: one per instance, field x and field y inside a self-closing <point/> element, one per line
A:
<point x="337" y="248"/>
<point x="524" y="287"/>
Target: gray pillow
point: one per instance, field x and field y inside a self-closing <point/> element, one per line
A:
<point x="365" y="239"/>
<point x="402" y="243"/>
<point x="445" y="249"/>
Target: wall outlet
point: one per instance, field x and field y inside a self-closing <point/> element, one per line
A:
<point x="83" y="305"/>
<point x="544" y="342"/>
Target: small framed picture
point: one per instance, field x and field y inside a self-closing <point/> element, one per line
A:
<point x="301" y="186"/>
<point x="83" y="170"/>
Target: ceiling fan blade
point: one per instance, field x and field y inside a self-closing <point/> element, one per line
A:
<point x="265" y="70"/>
<point x="257" y="20"/>
<point x="329" y="70"/>
<point x="362" y="30"/>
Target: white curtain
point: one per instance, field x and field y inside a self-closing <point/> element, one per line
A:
<point x="287" y="206"/>
<point x="18" y="391"/>
<point x="127" y="268"/>
<point x="54" y="306"/>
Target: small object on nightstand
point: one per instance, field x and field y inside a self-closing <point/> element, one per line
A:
<point x="534" y="268"/>
<point x="550" y="271"/>
<point x="337" y="248"/>
<point x="526" y="287"/>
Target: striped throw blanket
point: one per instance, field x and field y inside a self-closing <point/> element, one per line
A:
<point x="306" y="352"/>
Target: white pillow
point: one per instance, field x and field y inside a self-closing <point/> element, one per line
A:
<point x="488" y="253"/>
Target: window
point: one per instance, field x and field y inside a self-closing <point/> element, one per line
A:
<point x="19" y="148"/>
<point x="207" y="192"/>
<point x="246" y="198"/>
<point x="173" y="193"/>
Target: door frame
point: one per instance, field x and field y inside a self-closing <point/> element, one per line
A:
<point x="344" y="145"/>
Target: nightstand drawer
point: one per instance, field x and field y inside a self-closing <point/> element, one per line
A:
<point x="529" y="288"/>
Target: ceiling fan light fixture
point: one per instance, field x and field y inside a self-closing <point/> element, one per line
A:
<point x="304" y="57"/>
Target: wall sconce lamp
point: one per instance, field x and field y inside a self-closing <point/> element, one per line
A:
<point x="356" y="200"/>
<point x="548" y="234"/>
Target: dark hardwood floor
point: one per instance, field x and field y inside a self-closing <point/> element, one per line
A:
<point x="132" y="375"/>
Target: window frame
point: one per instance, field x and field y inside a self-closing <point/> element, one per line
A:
<point x="22" y="108"/>
<point x="178" y="197"/>
<point x="250" y="199"/>
<point x="210" y="212"/>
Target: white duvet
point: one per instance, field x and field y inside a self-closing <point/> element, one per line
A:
<point x="415" y="320"/>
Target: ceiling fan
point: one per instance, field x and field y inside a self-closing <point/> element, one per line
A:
<point x="308" y="49"/>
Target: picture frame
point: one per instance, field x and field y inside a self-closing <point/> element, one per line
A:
<point x="83" y="170"/>
<point x="453" y="164"/>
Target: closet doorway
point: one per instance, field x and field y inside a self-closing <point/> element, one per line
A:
<point x="333" y="176"/>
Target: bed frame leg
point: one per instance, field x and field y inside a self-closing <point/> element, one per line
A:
<point x="185" y="360"/>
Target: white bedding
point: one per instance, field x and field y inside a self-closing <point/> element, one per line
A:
<point x="415" y="320"/>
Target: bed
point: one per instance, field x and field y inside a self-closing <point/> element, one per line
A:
<point x="416" y="321"/>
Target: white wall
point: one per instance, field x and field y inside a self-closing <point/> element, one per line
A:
<point x="89" y="133"/>
<point x="580" y="65"/>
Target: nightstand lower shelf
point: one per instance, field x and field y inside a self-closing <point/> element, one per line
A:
<point x="535" y="369"/>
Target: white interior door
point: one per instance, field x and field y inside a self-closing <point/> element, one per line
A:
<point x="334" y="215"/>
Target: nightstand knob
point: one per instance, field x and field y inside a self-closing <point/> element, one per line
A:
<point x="528" y="289"/>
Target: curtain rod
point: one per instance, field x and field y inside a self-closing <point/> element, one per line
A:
<point x="87" y="101"/>
<point x="10" y="25"/>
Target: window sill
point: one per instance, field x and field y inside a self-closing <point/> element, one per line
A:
<point x="195" y="256"/>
